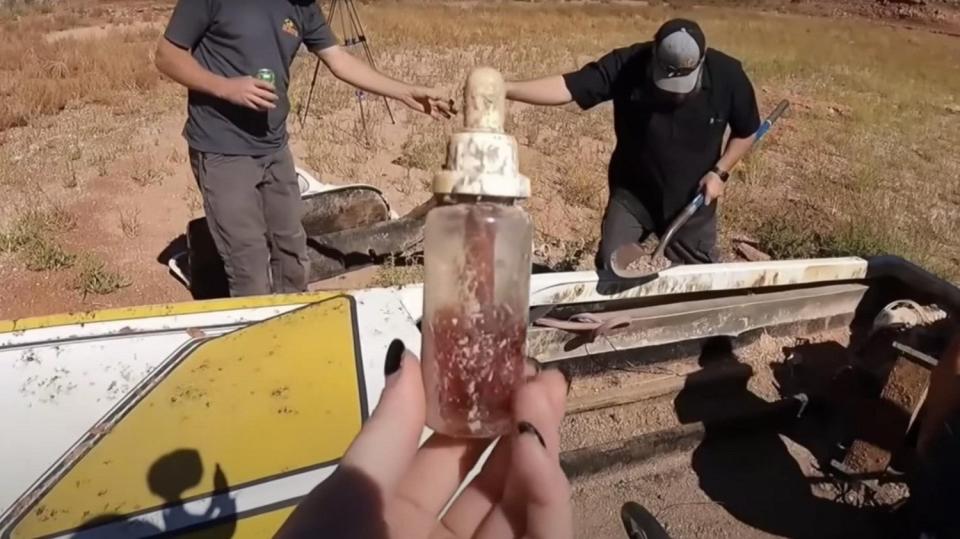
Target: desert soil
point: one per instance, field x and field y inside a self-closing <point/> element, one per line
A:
<point x="762" y="484"/>
<point x="120" y="167"/>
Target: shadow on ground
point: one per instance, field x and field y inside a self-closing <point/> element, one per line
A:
<point x="753" y="476"/>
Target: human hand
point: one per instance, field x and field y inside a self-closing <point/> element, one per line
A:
<point x="712" y="187"/>
<point x="385" y="487"/>
<point x="429" y="101"/>
<point x="249" y="92"/>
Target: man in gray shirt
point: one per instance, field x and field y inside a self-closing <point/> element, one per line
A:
<point x="236" y="125"/>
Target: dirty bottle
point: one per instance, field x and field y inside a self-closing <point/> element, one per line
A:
<point x="477" y="259"/>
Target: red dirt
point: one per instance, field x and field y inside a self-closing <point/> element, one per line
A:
<point x="97" y="203"/>
<point x="146" y="134"/>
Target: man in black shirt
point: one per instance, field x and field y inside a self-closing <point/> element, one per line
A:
<point x="236" y="125"/>
<point x="673" y="99"/>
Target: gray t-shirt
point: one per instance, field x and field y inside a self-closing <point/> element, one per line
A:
<point x="234" y="38"/>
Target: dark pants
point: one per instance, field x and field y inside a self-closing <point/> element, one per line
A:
<point x="254" y="211"/>
<point x="627" y="220"/>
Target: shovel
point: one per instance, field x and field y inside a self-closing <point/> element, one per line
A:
<point x="629" y="261"/>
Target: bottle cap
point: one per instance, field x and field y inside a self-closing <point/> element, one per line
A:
<point x="482" y="159"/>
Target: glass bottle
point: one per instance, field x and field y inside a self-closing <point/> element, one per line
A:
<point x="477" y="259"/>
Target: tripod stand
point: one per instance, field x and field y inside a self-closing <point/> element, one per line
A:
<point x="352" y="32"/>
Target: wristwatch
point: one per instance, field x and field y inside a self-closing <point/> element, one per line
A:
<point x="722" y="173"/>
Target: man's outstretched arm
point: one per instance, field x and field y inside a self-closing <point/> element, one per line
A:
<point x="547" y="91"/>
<point x="362" y="75"/>
<point x="588" y="86"/>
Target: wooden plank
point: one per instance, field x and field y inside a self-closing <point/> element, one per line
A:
<point x="751" y="253"/>
<point x="659" y="386"/>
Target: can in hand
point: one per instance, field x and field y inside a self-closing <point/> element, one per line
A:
<point x="267" y="76"/>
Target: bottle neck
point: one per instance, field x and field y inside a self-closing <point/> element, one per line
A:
<point x="459" y="198"/>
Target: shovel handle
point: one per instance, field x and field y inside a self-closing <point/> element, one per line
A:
<point x="770" y="120"/>
<point x="679" y="221"/>
<point x="698" y="201"/>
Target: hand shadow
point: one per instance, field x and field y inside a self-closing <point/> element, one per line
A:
<point x="170" y="477"/>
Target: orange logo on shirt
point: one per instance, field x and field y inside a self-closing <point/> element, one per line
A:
<point x="290" y="28"/>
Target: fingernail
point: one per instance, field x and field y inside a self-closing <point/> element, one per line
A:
<point x="394" y="357"/>
<point x="527" y="428"/>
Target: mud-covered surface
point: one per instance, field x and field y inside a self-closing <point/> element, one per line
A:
<point x="761" y="482"/>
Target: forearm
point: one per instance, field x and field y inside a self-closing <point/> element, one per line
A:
<point x="362" y="75"/>
<point x="182" y="67"/>
<point x="736" y="149"/>
<point x="545" y="91"/>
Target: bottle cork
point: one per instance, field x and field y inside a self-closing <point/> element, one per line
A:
<point x="485" y="98"/>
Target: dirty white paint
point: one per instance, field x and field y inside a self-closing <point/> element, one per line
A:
<point x="51" y="395"/>
<point x="123" y="328"/>
<point x="578" y="287"/>
<point x="57" y="382"/>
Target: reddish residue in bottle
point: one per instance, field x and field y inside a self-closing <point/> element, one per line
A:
<point x="479" y="364"/>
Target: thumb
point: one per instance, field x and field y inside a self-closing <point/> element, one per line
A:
<point x="397" y="422"/>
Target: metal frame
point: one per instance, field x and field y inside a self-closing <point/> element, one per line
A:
<point x="353" y="34"/>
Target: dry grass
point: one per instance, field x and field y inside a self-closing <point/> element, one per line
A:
<point x="867" y="141"/>
<point x="33" y="235"/>
<point x="398" y="273"/>
<point x="95" y="277"/>
<point x="40" y="77"/>
<point x="424" y="151"/>
<point x="130" y="223"/>
<point x="148" y="173"/>
<point x="863" y="163"/>
<point x="46" y="255"/>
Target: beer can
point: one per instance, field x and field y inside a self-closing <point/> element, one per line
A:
<point x="267" y="75"/>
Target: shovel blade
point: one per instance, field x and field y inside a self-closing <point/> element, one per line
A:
<point x="631" y="262"/>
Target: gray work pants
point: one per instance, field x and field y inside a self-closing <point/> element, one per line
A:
<point x="628" y="221"/>
<point x="254" y="212"/>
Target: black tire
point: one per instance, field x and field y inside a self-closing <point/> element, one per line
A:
<point x="640" y="524"/>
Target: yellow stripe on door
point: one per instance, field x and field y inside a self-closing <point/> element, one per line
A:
<point x="166" y="309"/>
<point x="281" y="395"/>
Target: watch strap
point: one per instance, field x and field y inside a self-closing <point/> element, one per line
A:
<point x="724" y="175"/>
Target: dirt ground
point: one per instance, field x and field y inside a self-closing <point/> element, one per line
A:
<point x="759" y="483"/>
<point x="109" y="156"/>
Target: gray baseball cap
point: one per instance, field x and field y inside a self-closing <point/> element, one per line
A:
<point x="678" y="52"/>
